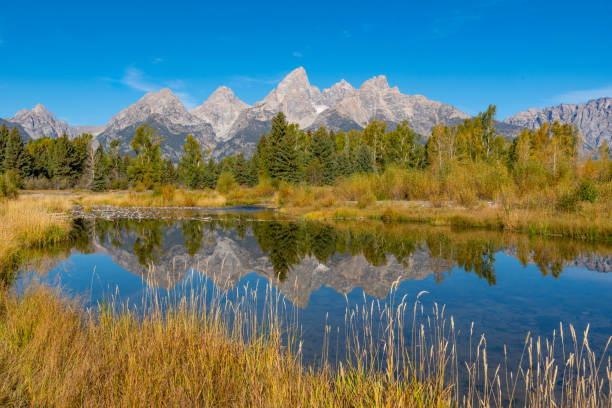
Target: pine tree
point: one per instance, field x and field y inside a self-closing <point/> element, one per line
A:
<point x="211" y="174"/>
<point x="285" y="166"/>
<point x="4" y="135"/>
<point x="100" y="170"/>
<point x="345" y="165"/>
<point x="363" y="163"/>
<point x="240" y="170"/>
<point x="15" y="155"/>
<point x="277" y="153"/>
<point x="323" y="150"/>
<point x="252" y="173"/>
<point x="191" y="166"/>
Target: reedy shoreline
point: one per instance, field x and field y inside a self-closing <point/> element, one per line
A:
<point x="53" y="354"/>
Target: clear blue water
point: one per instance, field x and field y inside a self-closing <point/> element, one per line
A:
<point x="506" y="285"/>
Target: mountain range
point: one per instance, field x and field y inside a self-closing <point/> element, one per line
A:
<point x="226" y="125"/>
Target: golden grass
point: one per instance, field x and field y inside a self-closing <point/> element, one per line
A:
<point x="30" y="222"/>
<point x="165" y="197"/>
<point x="194" y="355"/>
<point x="590" y="222"/>
<point x="50" y="356"/>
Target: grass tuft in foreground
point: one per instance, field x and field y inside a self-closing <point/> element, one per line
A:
<point x="30" y="223"/>
<point x="225" y="353"/>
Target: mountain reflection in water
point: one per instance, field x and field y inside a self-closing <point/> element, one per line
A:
<point x="507" y="284"/>
<point x="301" y="257"/>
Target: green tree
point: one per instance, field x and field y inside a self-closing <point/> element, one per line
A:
<point x="4" y="136"/>
<point x="363" y="163"/>
<point x="16" y="157"/>
<point x="191" y="166"/>
<point x="100" y="170"/>
<point x="211" y="174"/>
<point x="280" y="150"/>
<point x="323" y="150"/>
<point x="146" y="168"/>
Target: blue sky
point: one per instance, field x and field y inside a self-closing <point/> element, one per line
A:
<point x="86" y="61"/>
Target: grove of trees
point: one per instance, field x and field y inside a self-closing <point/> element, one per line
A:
<point x="287" y="154"/>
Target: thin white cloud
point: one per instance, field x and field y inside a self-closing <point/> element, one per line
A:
<point x="584" y="95"/>
<point x="157" y="61"/>
<point x="297" y="54"/>
<point x="244" y="80"/>
<point x="136" y="79"/>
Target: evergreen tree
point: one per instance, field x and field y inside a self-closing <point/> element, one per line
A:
<point x="240" y="170"/>
<point x="16" y="157"/>
<point x="363" y="163"/>
<point x="263" y="156"/>
<point x="280" y="151"/>
<point x="284" y="165"/>
<point x="4" y="136"/>
<point x="345" y="165"/>
<point x="100" y="170"/>
<point x="211" y="174"/>
<point x="323" y="150"/>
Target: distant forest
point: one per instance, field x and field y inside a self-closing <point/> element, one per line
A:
<point x="287" y="154"/>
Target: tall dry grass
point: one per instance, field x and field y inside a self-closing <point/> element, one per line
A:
<point x="30" y="222"/>
<point x="167" y="196"/>
<point x="227" y="352"/>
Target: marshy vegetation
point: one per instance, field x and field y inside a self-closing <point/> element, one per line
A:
<point x="217" y="350"/>
<point x="227" y="353"/>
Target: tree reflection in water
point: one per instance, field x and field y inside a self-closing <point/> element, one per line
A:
<point x="287" y="243"/>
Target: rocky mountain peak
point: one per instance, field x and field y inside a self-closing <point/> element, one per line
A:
<point x="40" y="122"/>
<point x="294" y="95"/>
<point x="162" y="98"/>
<point x="378" y="82"/>
<point x="337" y="92"/>
<point x="164" y="111"/>
<point x="295" y="84"/>
<point x="220" y="110"/>
<point x="40" y="109"/>
<point x="593" y="119"/>
<point x="222" y="93"/>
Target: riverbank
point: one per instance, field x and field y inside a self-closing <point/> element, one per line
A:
<point x="28" y="224"/>
<point x="53" y="354"/>
<point x="588" y="221"/>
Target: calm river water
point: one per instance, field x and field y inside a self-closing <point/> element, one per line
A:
<point x="505" y="284"/>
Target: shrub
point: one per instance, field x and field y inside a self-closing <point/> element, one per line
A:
<point x="167" y="192"/>
<point x="9" y="185"/>
<point x="284" y="192"/>
<point x="366" y="199"/>
<point x="587" y="191"/>
<point x="353" y="187"/>
<point x="568" y="202"/>
<point x="226" y="183"/>
<point x="157" y="191"/>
